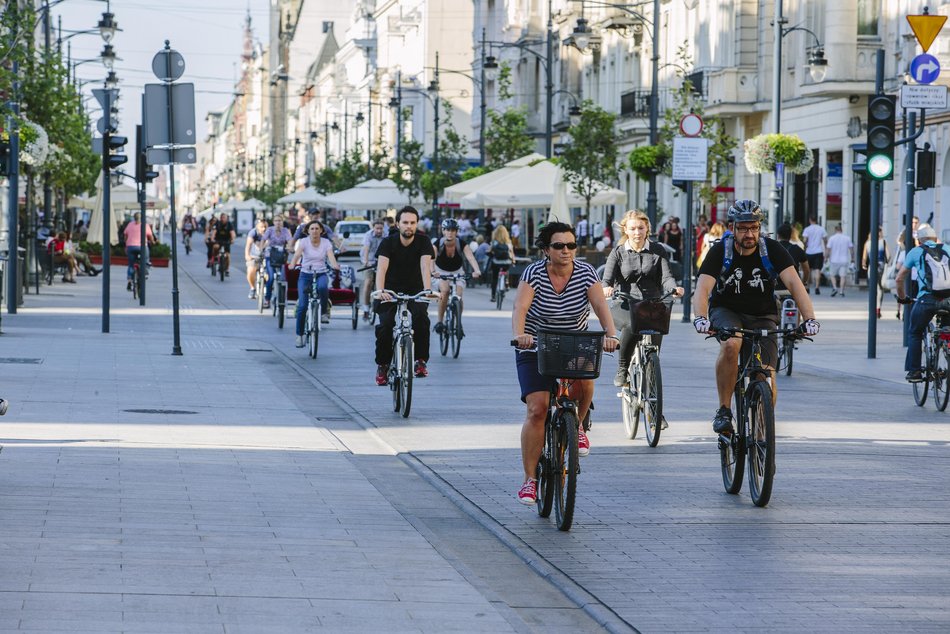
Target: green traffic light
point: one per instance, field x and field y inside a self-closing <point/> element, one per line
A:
<point x="880" y="166"/>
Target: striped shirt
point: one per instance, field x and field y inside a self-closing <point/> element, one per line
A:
<point x="567" y="310"/>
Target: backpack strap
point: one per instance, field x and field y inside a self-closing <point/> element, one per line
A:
<point x="728" y="243"/>
<point x="764" y="254"/>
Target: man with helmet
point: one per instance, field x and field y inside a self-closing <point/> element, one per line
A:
<point x="449" y="251"/>
<point x="735" y="289"/>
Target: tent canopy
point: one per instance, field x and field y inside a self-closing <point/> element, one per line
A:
<point x="458" y="191"/>
<point x="124" y="198"/>
<point x="304" y="196"/>
<point x="535" y="186"/>
<point x="369" y="195"/>
<point x="251" y="204"/>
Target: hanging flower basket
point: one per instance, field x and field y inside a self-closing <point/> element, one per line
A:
<point x="762" y="152"/>
<point x="35" y="148"/>
<point x="646" y="160"/>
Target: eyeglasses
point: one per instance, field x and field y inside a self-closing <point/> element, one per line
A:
<point x="747" y="229"/>
<point x="560" y="246"/>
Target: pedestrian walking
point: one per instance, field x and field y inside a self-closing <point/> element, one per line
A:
<point x="840" y="253"/>
<point x="815" y="238"/>
<point x="883" y="255"/>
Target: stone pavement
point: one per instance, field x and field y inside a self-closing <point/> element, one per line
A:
<point x="856" y="535"/>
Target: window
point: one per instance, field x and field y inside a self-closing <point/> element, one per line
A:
<point x="869" y="13"/>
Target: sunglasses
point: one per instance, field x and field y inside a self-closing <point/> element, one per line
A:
<point x="560" y="246"/>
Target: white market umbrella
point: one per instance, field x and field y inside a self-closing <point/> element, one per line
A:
<point x="303" y="196"/>
<point x="560" y="207"/>
<point x="95" y="218"/>
<point x="123" y="197"/>
<point x="458" y="191"/>
<point x="369" y="195"/>
<point x="533" y="187"/>
<point x="251" y="204"/>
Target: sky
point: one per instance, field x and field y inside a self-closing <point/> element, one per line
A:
<point x="208" y="34"/>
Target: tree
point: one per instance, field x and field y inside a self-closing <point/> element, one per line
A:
<point x="269" y="192"/>
<point x="446" y="169"/>
<point x="408" y="171"/>
<point x="590" y="160"/>
<point x="506" y="135"/>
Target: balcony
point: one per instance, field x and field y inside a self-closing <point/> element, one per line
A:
<point x="636" y="103"/>
<point x="730" y="91"/>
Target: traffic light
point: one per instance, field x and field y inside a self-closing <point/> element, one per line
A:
<point x="144" y="173"/>
<point x="4" y="157"/>
<point x="116" y="143"/>
<point x="926" y="168"/>
<point x="881" y="114"/>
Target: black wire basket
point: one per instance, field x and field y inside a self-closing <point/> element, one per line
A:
<point x="570" y="354"/>
<point x="650" y="317"/>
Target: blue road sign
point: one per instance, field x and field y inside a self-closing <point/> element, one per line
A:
<point x="925" y="68"/>
<point x="780" y="174"/>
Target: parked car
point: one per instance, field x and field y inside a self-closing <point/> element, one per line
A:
<point x="352" y="230"/>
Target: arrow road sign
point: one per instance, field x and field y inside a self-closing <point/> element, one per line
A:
<point x="925" y="69"/>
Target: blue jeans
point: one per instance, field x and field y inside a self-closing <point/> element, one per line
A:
<point x="269" y="284"/>
<point x="920" y="315"/>
<point x="133" y="254"/>
<point x="304" y="284"/>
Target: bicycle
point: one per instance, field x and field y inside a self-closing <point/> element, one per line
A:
<point x="186" y="241"/>
<point x="643" y="392"/>
<point x="313" y="324"/>
<point x="260" y="284"/>
<point x="278" y="258"/>
<point x="755" y="419"/>
<point x="219" y="263"/>
<point x="786" y="346"/>
<point x="564" y="355"/>
<point x="374" y="303"/>
<point x="501" y="286"/>
<point x="399" y="377"/>
<point x="936" y="369"/>
<point x="451" y="333"/>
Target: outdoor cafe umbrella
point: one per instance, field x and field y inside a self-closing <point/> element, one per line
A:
<point x="455" y="193"/>
<point x="303" y="196"/>
<point x="95" y="218"/>
<point x="369" y="195"/>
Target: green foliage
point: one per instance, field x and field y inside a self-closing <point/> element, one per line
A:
<point x="380" y="161"/>
<point x="90" y="248"/>
<point x="269" y="192"/>
<point x="506" y="132"/>
<point x="647" y="159"/>
<point x="160" y="250"/>
<point x="474" y="172"/>
<point x="591" y="158"/>
<point x="410" y="168"/>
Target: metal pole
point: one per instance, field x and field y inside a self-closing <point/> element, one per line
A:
<point x="13" y="196"/>
<point x="876" y="195"/>
<point x="369" y="134"/>
<point x="654" y="110"/>
<point x="106" y="208"/>
<point x="909" y="190"/>
<point x="777" y="194"/>
<point x="482" y="106"/>
<point x="346" y="124"/>
<point x="549" y="87"/>
<point x="176" y="326"/>
<point x="688" y="242"/>
<point x="47" y="187"/>
<point x="398" y="117"/>
<point x="435" y="140"/>
<point x="143" y="259"/>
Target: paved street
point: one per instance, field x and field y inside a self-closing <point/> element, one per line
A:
<point x="246" y="487"/>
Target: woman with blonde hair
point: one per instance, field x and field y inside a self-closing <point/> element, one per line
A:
<point x="638" y="267"/>
<point x="502" y="255"/>
<point x="710" y="238"/>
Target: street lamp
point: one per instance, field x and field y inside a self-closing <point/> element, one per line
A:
<point x="817" y="67"/>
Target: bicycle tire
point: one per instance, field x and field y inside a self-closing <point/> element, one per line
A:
<point x="652" y="399"/>
<point x="456" y="321"/>
<point x="135" y="287"/>
<point x="313" y="328"/>
<point x="259" y="290"/>
<point x="221" y="269"/>
<point x="630" y="410"/>
<point x="941" y="382"/>
<point x="545" y="492"/>
<point x="787" y="356"/>
<point x="355" y="318"/>
<point x="214" y="266"/>
<point x="499" y="299"/>
<point x="566" y="460"/>
<point x="405" y="384"/>
<point x="922" y="387"/>
<point x="281" y="305"/>
<point x="395" y="372"/>
<point x="444" y="332"/>
<point x="732" y="454"/>
<point x="761" y="442"/>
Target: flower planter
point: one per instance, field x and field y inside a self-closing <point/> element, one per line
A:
<point x="121" y="260"/>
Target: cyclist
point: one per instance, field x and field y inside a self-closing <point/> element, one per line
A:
<point x="276" y="237"/>
<point x="188" y="227"/>
<point x="930" y="261"/>
<point x="449" y="254"/>
<point x="133" y="245"/>
<point x="223" y="236"/>
<point x="403" y="265"/>
<point x="371" y="241"/>
<point x="736" y="289"/>
<point x="556" y="292"/>
<point x="254" y="255"/>
<point x="502" y="255"/>
<point x="639" y="267"/>
<point x="209" y="238"/>
<point x="312" y="253"/>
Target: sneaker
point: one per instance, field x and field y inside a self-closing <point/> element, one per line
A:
<point x="620" y="379"/>
<point x="583" y="443"/>
<point x="492" y="298"/>
<point x="381" y="372"/>
<point x="324" y="318"/>
<point x="842" y="293"/>
<point x="817" y="291"/>
<point x="251" y="294"/>
<point x="439" y="328"/>
<point x="421" y="370"/>
<point x="266" y="304"/>
<point x="128" y="285"/>
<point x="227" y="274"/>
<point x="663" y="423"/>
<point x="300" y="343"/>
<point x="365" y="315"/>
<point x="722" y="423"/>
<point x="915" y="376"/>
<point x="528" y="494"/>
<point x="834" y="292"/>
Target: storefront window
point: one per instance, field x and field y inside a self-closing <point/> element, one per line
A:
<point x="833" y="187"/>
<point x="869" y="14"/>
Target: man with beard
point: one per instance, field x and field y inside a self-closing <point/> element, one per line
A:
<point x="736" y="289"/>
<point x="402" y="265"/>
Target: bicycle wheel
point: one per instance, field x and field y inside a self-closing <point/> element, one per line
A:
<point x="395" y="375"/>
<point x="761" y="442"/>
<point x="214" y="266"/>
<point x="731" y="454"/>
<point x="259" y="290"/>
<point x="313" y="327"/>
<point x="221" y="269"/>
<point x="565" y="468"/>
<point x="444" y="332"/>
<point x="652" y="398"/>
<point x="941" y="379"/>
<point x="789" y="356"/>
<point x="355" y="318"/>
<point x="544" y="473"/>
<point x="456" y="322"/>
<point x="281" y="304"/>
<point x="921" y="387"/>
<point x="405" y="382"/>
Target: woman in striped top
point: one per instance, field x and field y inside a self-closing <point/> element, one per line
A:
<point x="558" y="293"/>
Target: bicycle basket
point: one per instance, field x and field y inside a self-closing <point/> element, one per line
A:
<point x="570" y="354"/>
<point x="277" y="256"/>
<point x="652" y="316"/>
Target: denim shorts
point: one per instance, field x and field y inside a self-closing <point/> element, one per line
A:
<point x="528" y="376"/>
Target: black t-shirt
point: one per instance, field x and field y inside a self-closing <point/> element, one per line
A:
<point x="446" y="262"/>
<point x="222" y="231"/>
<point x="746" y="287"/>
<point x="404" y="274"/>
<point x="798" y="256"/>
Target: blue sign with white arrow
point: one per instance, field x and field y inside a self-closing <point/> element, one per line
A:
<point x="925" y="69"/>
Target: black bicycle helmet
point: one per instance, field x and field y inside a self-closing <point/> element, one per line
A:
<point x="450" y="224"/>
<point x="745" y="211"/>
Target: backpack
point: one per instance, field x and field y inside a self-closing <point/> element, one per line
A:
<point x="937" y="270"/>
<point x="728" y="241"/>
<point x="499" y="252"/>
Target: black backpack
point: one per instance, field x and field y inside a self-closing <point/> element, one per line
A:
<point x="499" y="252"/>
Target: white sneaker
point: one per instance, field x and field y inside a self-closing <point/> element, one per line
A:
<point x="324" y="318"/>
<point x="251" y="294"/>
<point x="300" y="343"/>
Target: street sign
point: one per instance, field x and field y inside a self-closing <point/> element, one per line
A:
<point x="780" y="175"/>
<point x="155" y="114"/>
<point x="926" y="28"/>
<point x="97" y="145"/>
<point x="168" y="65"/>
<point x="691" y="125"/>
<point x="925" y="68"/>
<point x="101" y="125"/>
<point x="178" y="156"/>
<point x="927" y="97"/>
<point x="689" y="158"/>
<point x="100" y="95"/>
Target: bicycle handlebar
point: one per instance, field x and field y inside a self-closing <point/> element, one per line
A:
<point x="402" y="297"/>
<point x="454" y="276"/>
<point x="628" y="296"/>
<point x="728" y="333"/>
